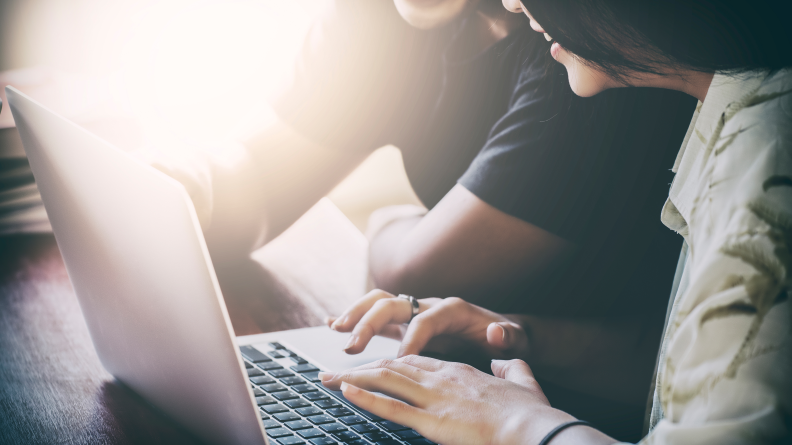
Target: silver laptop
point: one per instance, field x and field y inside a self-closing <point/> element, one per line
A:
<point x="138" y="262"/>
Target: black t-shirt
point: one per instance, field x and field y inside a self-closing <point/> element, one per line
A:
<point x="506" y="126"/>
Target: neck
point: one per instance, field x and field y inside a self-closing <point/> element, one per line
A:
<point x="697" y="84"/>
<point x="694" y="83"/>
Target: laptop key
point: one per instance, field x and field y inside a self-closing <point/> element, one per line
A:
<point x="357" y="442"/>
<point x="298" y="360"/>
<point x="276" y="345"/>
<point x="420" y="441"/>
<point x="274" y="354"/>
<point x="281" y="373"/>
<point x="392" y="426"/>
<point x="340" y="412"/>
<point x="305" y="387"/>
<point x="266" y="400"/>
<point x="332" y="427"/>
<point x="299" y="425"/>
<point x="278" y="432"/>
<point x="276" y="408"/>
<point x="263" y="415"/>
<point x="273" y="387"/>
<point x="285" y="395"/>
<point x="345" y="436"/>
<point x="352" y="420"/>
<point x="270" y="423"/>
<point x="248" y="365"/>
<point x="291" y="440"/>
<point x="328" y="403"/>
<point x="388" y="442"/>
<point x="296" y="403"/>
<point x="365" y="428"/>
<point x="320" y="419"/>
<point x="407" y="435"/>
<point x="257" y="392"/>
<point x="316" y="395"/>
<point x="307" y="367"/>
<point x="288" y="416"/>
<point x="311" y="433"/>
<point x="253" y="354"/>
<point x="312" y="377"/>
<point x="253" y="372"/>
<point x="323" y="441"/>
<point x="308" y="411"/>
<point x="262" y="380"/>
<point x="376" y="435"/>
<point x="268" y="366"/>
<point x="293" y="380"/>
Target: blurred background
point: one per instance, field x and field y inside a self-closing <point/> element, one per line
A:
<point x="163" y="74"/>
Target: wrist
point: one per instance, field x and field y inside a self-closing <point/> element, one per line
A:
<point x="530" y="427"/>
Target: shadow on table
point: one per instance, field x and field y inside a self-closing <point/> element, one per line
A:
<point x="128" y="417"/>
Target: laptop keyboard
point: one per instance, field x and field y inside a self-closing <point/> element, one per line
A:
<point x="297" y="409"/>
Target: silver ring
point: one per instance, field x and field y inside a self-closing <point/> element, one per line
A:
<point x="413" y="303"/>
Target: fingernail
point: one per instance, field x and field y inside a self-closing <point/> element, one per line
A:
<point x="351" y="342"/>
<point x="326" y="376"/>
<point x="348" y="389"/>
<point x="505" y="337"/>
<point x="338" y="322"/>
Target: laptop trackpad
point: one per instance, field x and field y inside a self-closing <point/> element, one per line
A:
<point x="325" y="348"/>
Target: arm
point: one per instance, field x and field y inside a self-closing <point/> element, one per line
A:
<point x="282" y="175"/>
<point x="463" y="247"/>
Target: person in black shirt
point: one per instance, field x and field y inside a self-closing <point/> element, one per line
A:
<point x="538" y="200"/>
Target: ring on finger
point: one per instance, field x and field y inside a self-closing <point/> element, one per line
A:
<point x="413" y="305"/>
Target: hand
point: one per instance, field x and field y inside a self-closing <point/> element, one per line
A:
<point x="441" y="326"/>
<point x="192" y="170"/>
<point x="452" y="403"/>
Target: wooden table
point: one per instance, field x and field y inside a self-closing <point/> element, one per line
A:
<point x="53" y="388"/>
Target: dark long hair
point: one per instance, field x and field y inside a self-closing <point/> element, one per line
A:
<point x="621" y="37"/>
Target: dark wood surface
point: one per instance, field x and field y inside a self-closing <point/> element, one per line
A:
<point x="53" y="389"/>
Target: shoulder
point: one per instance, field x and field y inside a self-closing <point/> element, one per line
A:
<point x="756" y="141"/>
<point x="768" y="109"/>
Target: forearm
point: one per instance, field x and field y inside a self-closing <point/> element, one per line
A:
<point x="466" y="248"/>
<point x="387" y="264"/>
<point x="282" y="176"/>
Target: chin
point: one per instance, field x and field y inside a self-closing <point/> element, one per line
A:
<point x="584" y="81"/>
<point x="428" y="14"/>
<point x="585" y="89"/>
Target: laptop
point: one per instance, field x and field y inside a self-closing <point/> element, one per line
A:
<point x="137" y="260"/>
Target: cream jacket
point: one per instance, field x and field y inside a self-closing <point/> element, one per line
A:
<point x="725" y="367"/>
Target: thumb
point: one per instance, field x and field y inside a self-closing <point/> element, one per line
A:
<point x="507" y="336"/>
<point x="516" y="371"/>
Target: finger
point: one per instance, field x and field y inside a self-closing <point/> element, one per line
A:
<point x="441" y="318"/>
<point x="387" y="408"/>
<point x="423" y="363"/>
<point x="516" y="371"/>
<point x="347" y="320"/>
<point x="507" y="336"/>
<point x="406" y="369"/>
<point x="395" y="332"/>
<point x="382" y="380"/>
<point x="384" y="312"/>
